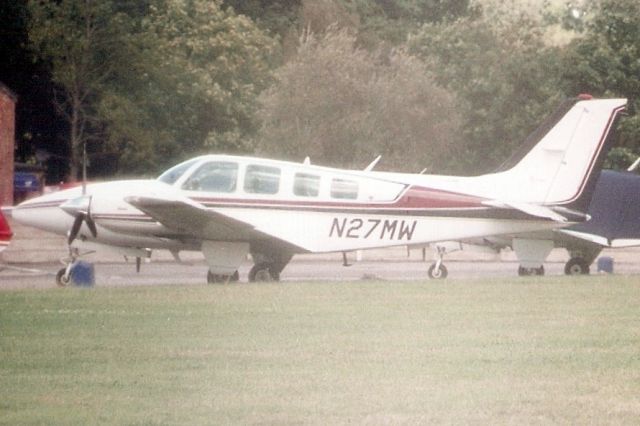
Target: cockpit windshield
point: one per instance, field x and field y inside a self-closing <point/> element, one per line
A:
<point x="173" y="174"/>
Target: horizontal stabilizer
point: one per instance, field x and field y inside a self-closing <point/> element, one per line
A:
<point x="530" y="209"/>
<point x="592" y="238"/>
<point x="602" y="241"/>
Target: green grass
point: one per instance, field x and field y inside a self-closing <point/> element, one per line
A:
<point x="540" y="350"/>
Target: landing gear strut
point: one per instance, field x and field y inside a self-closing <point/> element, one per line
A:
<point x="437" y="270"/>
<point x="63" y="277"/>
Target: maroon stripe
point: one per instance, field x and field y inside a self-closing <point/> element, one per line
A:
<point x="415" y="197"/>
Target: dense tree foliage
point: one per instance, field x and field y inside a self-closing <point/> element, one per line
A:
<point x="453" y="85"/>
<point x="605" y="61"/>
<point x="196" y="87"/>
<point x="342" y="105"/>
<point x="181" y="77"/>
<point x="503" y="74"/>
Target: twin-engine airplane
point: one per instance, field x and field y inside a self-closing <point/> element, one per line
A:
<point x="229" y="206"/>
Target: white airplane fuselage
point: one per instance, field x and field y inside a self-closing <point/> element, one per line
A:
<point x="228" y="206"/>
<point x="389" y="210"/>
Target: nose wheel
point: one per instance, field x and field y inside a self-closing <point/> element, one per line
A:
<point x="63" y="277"/>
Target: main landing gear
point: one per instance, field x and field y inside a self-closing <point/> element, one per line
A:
<point x="221" y="278"/>
<point x="437" y="270"/>
<point x="525" y="272"/>
<point x="267" y="267"/>
<point x="579" y="260"/>
<point x="576" y="266"/>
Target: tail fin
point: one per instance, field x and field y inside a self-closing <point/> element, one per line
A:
<point x="563" y="156"/>
<point x="5" y="232"/>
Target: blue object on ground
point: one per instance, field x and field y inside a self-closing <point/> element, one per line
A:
<point x="82" y="274"/>
<point x="605" y="264"/>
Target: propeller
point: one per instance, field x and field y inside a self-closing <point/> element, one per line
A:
<point x="82" y="216"/>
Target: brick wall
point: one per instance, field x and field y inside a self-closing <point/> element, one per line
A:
<point x="7" y="140"/>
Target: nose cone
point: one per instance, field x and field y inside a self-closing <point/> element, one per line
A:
<point x="76" y="205"/>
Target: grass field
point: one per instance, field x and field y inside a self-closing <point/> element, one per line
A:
<point x="540" y="350"/>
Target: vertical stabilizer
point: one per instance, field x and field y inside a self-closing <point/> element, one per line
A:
<point x="565" y="155"/>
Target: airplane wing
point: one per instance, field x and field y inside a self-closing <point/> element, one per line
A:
<point x="185" y="217"/>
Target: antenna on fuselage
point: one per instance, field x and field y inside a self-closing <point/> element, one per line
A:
<point x="372" y="164"/>
<point x="307" y="161"/>
<point x="634" y="165"/>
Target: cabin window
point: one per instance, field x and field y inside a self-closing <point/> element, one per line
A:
<point x="262" y="179"/>
<point x="306" y="185"/>
<point x="217" y="176"/>
<point x="174" y="173"/>
<point x="344" y="189"/>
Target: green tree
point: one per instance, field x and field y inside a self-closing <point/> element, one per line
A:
<point x="205" y="67"/>
<point x="76" y="37"/>
<point x="391" y="21"/>
<point x="342" y="105"/>
<point x="605" y="61"/>
<point x="504" y="75"/>
<point x="146" y="84"/>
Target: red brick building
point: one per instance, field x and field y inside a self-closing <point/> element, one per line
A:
<point x="7" y="142"/>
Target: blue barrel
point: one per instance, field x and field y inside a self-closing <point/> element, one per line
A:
<point x="605" y="264"/>
<point x="82" y="274"/>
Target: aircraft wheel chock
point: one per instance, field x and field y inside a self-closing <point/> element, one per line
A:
<point x="576" y="266"/>
<point x="437" y="273"/>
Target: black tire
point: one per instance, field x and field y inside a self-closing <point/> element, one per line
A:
<point x="263" y="272"/>
<point x="523" y="272"/>
<point x="61" y="281"/>
<point x="576" y="266"/>
<point x="221" y="279"/>
<point x="437" y="274"/>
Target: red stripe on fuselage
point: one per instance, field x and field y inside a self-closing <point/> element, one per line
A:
<point x="414" y="198"/>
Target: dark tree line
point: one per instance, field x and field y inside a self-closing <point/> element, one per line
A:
<point x="445" y="84"/>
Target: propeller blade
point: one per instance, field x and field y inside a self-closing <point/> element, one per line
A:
<point x="92" y="226"/>
<point x="75" y="228"/>
<point x="90" y="223"/>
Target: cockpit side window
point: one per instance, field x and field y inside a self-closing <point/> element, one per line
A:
<point x="262" y="179"/>
<point x="216" y="176"/>
<point x="306" y="185"/>
<point x="173" y="174"/>
<point x="344" y="189"/>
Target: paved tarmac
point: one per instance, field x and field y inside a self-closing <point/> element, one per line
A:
<point x="31" y="261"/>
<point x="42" y="276"/>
